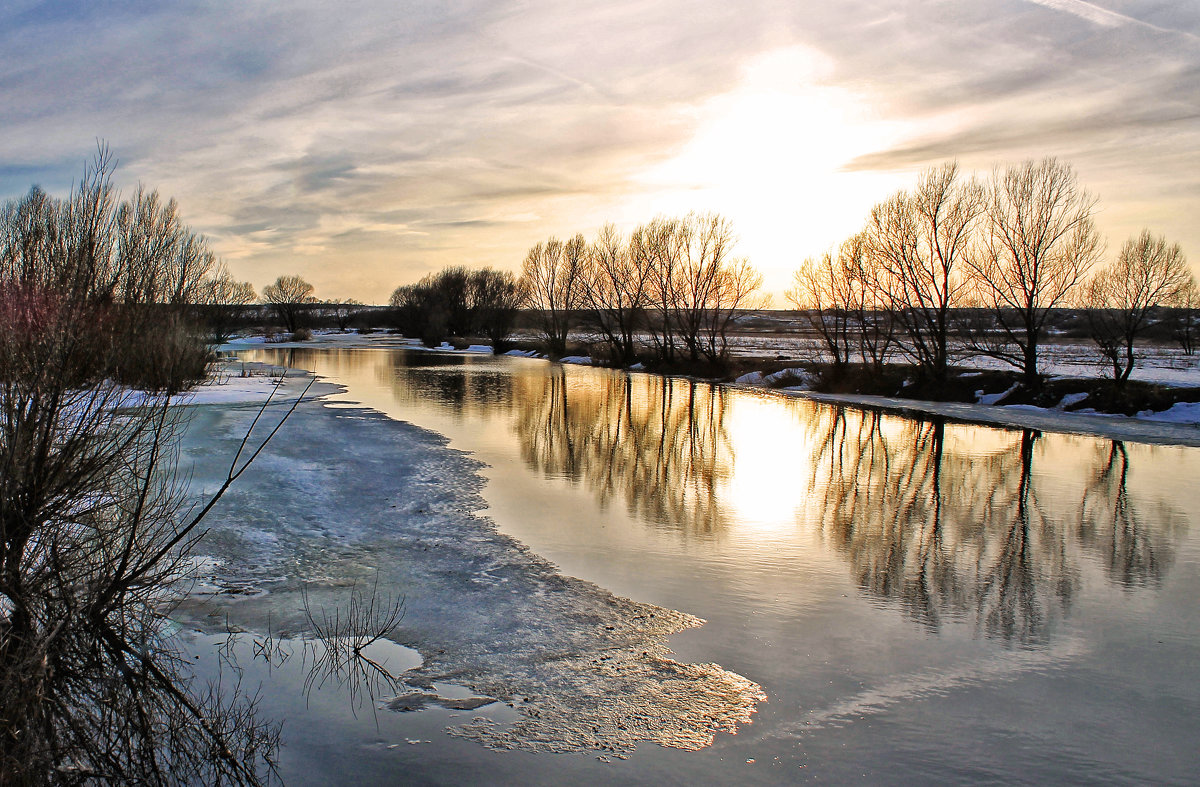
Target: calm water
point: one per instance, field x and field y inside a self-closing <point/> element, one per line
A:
<point x="918" y="600"/>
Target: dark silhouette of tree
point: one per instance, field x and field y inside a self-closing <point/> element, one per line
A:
<point x="343" y="312"/>
<point x="458" y="302"/>
<point x="286" y="297"/>
<point x="222" y="302"/>
<point x="1149" y="273"/>
<point x="495" y="302"/>
<point x="1184" y="319"/>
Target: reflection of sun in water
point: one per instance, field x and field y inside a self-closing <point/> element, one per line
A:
<point x="771" y="471"/>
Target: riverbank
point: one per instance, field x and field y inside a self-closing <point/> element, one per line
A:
<point x="1174" y="423"/>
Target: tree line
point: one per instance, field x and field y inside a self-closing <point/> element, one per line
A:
<point x="669" y="291"/>
<point x="959" y="265"/>
<point x="672" y="287"/>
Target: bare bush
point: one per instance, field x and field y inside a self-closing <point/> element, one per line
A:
<point x="92" y="531"/>
<point x="92" y="537"/>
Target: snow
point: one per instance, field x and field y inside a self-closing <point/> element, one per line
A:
<point x="795" y="373"/>
<point x="1179" y="413"/>
<point x="982" y="398"/>
<point x="1072" y="399"/>
<point x="1180" y="427"/>
<point x="769" y="380"/>
<point x="753" y="378"/>
<point x="581" y="360"/>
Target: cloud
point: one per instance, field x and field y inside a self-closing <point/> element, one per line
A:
<point x="402" y="136"/>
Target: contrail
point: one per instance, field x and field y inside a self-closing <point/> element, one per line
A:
<point x="1103" y="17"/>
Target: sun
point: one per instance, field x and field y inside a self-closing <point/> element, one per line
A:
<point x="772" y="156"/>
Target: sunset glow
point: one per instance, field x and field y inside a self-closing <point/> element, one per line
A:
<point x="363" y="150"/>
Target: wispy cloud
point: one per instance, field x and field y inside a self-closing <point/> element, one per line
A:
<point x="396" y="138"/>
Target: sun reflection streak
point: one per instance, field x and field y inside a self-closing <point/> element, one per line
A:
<point x="772" y="465"/>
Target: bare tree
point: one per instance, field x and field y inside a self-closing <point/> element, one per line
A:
<point x="221" y="301"/>
<point x="495" y="300"/>
<point x="1040" y="241"/>
<point x="158" y="259"/>
<point x="344" y="312"/>
<point x="615" y="291"/>
<point x="921" y="241"/>
<point x="870" y="289"/>
<point x="844" y="299"/>
<point x="823" y="288"/>
<point x="92" y="531"/>
<point x="94" y="245"/>
<point x="1185" y="322"/>
<point x="1148" y="273"/>
<point x="695" y="285"/>
<point x="551" y="285"/>
<point x="286" y="296"/>
<point x="655" y="248"/>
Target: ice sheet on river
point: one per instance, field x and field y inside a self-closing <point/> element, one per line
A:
<point x="345" y="495"/>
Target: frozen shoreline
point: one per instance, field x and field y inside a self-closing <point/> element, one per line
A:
<point x="1113" y="427"/>
<point x="346" y="494"/>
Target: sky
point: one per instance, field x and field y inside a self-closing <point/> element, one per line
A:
<point x="363" y="145"/>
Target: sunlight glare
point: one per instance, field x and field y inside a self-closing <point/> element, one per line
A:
<point x="770" y="478"/>
<point x="771" y="154"/>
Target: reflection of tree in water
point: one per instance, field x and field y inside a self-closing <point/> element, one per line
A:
<point x="659" y="444"/>
<point x="461" y="390"/>
<point x="461" y="384"/>
<point x="951" y="535"/>
<point x="1109" y="525"/>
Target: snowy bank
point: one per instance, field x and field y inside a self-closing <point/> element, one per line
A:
<point x="1178" y="426"/>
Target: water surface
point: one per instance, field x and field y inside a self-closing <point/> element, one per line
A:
<point x="919" y="600"/>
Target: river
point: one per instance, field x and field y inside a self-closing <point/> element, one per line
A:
<point x="916" y="599"/>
